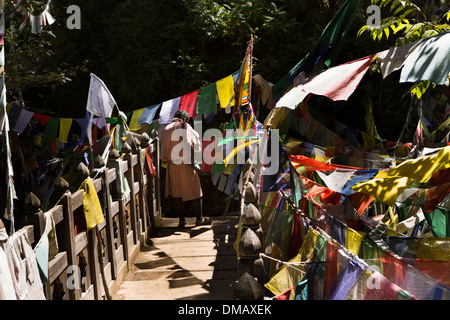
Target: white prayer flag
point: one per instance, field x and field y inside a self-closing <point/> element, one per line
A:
<point x="100" y="101"/>
<point x="168" y="110"/>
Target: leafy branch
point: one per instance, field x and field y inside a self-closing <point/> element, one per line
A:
<point x="407" y="20"/>
<point x="409" y="23"/>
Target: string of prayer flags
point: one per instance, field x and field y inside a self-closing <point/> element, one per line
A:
<point x="148" y="114"/>
<point x="206" y="103"/>
<point x="168" y="110"/>
<point x="387" y="186"/>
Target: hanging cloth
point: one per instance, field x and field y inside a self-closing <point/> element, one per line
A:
<point x="206" y="103"/>
<point x="91" y="204"/>
<point x="225" y="91"/>
<point x="64" y="128"/>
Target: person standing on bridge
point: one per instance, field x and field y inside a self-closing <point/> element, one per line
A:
<point x="182" y="179"/>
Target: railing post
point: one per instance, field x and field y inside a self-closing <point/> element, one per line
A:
<point x="248" y="288"/>
<point x="96" y="265"/>
<point x="109" y="225"/>
<point x="67" y="243"/>
<point x="61" y="186"/>
<point x="82" y="173"/>
<point x="250" y="263"/>
<point x="34" y="215"/>
<point x="130" y="177"/>
<point x="143" y="189"/>
<point x="114" y="162"/>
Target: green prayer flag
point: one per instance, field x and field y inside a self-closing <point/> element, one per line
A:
<point x="51" y="132"/>
<point x="438" y="220"/>
<point x="207" y="99"/>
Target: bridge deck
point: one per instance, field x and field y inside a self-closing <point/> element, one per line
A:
<point x="191" y="263"/>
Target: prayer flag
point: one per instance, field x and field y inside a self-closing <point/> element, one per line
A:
<point x="134" y="125"/>
<point x="51" y="131"/>
<point x="207" y="99"/>
<point x="91" y="204"/>
<point x="386" y="190"/>
<point x="168" y="110"/>
<point x="43" y="119"/>
<point x="100" y="101"/>
<point x="339" y="82"/>
<point x="83" y="124"/>
<point x="148" y="114"/>
<point x="225" y="91"/>
<point x="430" y="60"/>
<point x="64" y="128"/>
<point x="188" y="103"/>
<point x="394" y="58"/>
<point x="23" y="120"/>
<point x="244" y="78"/>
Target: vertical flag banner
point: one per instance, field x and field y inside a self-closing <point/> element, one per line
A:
<point x="245" y="76"/>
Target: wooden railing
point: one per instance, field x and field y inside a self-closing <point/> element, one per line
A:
<point x="91" y="264"/>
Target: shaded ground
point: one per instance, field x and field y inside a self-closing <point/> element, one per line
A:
<point x="191" y="263"/>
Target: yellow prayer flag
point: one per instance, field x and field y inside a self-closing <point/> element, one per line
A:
<point x="64" y="128"/>
<point x="91" y="204"/>
<point x="288" y="277"/>
<point x="134" y="125"/>
<point x="422" y="169"/>
<point x="225" y="91"/>
<point x="386" y="186"/>
<point x="353" y="241"/>
<point x="386" y="190"/>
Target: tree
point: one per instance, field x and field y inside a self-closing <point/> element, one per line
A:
<point x="410" y="23"/>
<point x="31" y="61"/>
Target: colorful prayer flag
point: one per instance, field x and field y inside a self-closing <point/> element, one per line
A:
<point x="188" y="103"/>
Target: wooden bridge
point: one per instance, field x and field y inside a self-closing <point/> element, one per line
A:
<point x="135" y="253"/>
<point x="191" y="263"/>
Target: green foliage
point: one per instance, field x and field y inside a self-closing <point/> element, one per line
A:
<point x="407" y="21"/>
<point x="31" y="60"/>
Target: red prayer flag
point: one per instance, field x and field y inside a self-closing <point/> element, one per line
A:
<point x="43" y="119"/>
<point x="188" y="103"/>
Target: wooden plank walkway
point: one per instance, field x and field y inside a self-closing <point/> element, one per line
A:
<point x="191" y="263"/>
